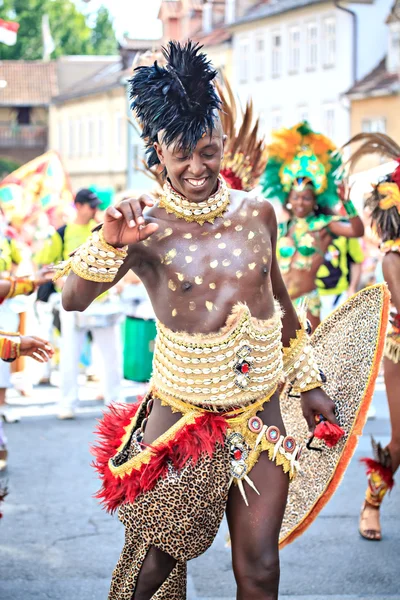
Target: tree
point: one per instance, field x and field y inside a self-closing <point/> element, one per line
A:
<point x="69" y="28"/>
<point x="103" y="34"/>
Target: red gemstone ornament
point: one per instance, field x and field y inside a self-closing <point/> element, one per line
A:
<point x="245" y="368"/>
<point x="237" y="454"/>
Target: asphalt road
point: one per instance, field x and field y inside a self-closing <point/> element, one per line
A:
<point x="56" y="543"/>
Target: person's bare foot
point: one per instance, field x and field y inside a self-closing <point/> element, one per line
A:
<point x="370" y="526"/>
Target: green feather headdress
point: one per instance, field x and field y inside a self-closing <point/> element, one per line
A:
<point x="300" y="155"/>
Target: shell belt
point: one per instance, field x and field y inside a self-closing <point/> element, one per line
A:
<point x="231" y="369"/>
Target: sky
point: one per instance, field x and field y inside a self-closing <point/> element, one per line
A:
<point x="138" y="18"/>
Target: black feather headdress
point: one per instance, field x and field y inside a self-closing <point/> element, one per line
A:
<point x="178" y="99"/>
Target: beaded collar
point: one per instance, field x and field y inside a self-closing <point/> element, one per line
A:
<point x="200" y="212"/>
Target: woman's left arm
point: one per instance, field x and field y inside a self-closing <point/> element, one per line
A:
<point x="354" y="227"/>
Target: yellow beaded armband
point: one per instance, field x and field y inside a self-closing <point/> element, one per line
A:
<point x="95" y="260"/>
<point x="299" y="364"/>
<point x="20" y="286"/>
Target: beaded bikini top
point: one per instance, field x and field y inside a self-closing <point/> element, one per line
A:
<point x="232" y="368"/>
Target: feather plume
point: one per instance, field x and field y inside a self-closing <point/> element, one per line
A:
<point x="385" y="220"/>
<point x="245" y="155"/>
<point x="178" y="99"/>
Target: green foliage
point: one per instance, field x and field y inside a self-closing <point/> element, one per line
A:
<point x="7" y="165"/>
<point x="103" y="35"/>
<point x="68" y="26"/>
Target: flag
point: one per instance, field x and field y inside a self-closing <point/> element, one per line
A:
<point x="48" y="42"/>
<point x="41" y="185"/>
<point x="8" y="32"/>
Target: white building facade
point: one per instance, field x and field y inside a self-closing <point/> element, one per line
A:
<point x="296" y="59"/>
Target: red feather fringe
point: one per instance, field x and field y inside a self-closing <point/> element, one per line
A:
<point x="385" y="472"/>
<point x="329" y="432"/>
<point x="189" y="443"/>
<point x="232" y="180"/>
<point x="395" y="177"/>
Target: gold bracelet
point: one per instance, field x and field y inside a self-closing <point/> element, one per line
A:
<point x="95" y="260"/>
<point x="299" y="364"/>
<point x="306" y="375"/>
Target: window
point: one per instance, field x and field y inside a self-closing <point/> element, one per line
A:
<point x="86" y="140"/>
<point x="276" y="54"/>
<point x="91" y="142"/>
<point x="374" y="125"/>
<point x="100" y="136"/>
<point x="276" y="119"/>
<point x="294" y="50"/>
<point x="118" y="133"/>
<point x="243" y="61"/>
<point x="24" y="115"/>
<point x="71" y="138"/>
<point x="329" y="40"/>
<point x="78" y="137"/>
<point x="259" y="57"/>
<point x="329" y="121"/>
<point x="312" y="46"/>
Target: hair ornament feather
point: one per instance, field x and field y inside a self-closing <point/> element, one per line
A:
<point x="245" y="154"/>
<point x="177" y="99"/>
<point x="384" y="201"/>
<point x="299" y="157"/>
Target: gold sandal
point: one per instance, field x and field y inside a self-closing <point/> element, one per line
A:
<point x="380" y="480"/>
<point x="367" y="532"/>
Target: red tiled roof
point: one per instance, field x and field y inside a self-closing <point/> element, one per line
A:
<point x="379" y="80"/>
<point x="215" y="37"/>
<point x="29" y="82"/>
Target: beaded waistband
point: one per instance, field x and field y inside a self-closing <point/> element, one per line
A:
<point x="232" y="368"/>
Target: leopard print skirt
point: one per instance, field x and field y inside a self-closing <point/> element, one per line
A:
<point x="180" y="516"/>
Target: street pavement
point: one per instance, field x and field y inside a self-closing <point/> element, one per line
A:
<point x="56" y="543"/>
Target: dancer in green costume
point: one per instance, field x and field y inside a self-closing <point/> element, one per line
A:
<point x="302" y="172"/>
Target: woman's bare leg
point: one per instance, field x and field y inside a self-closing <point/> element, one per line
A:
<point x="392" y="382"/>
<point x="370" y="526"/>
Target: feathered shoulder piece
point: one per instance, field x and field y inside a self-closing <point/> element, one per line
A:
<point x="178" y="99"/>
<point x="245" y="154"/>
<point x="384" y="202"/>
<point x="298" y="157"/>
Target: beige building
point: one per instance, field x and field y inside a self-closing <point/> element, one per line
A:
<point x="88" y="129"/>
<point x="375" y="99"/>
<point x="89" y="125"/>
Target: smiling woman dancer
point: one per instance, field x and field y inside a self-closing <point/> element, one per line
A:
<point x="209" y="436"/>
<point x="301" y="172"/>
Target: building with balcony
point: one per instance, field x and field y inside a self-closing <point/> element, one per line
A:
<point x="26" y="89"/>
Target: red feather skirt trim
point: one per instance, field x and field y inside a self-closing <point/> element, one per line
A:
<point x="189" y="443"/>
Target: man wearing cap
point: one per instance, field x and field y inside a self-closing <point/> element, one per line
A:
<point x="73" y="332"/>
